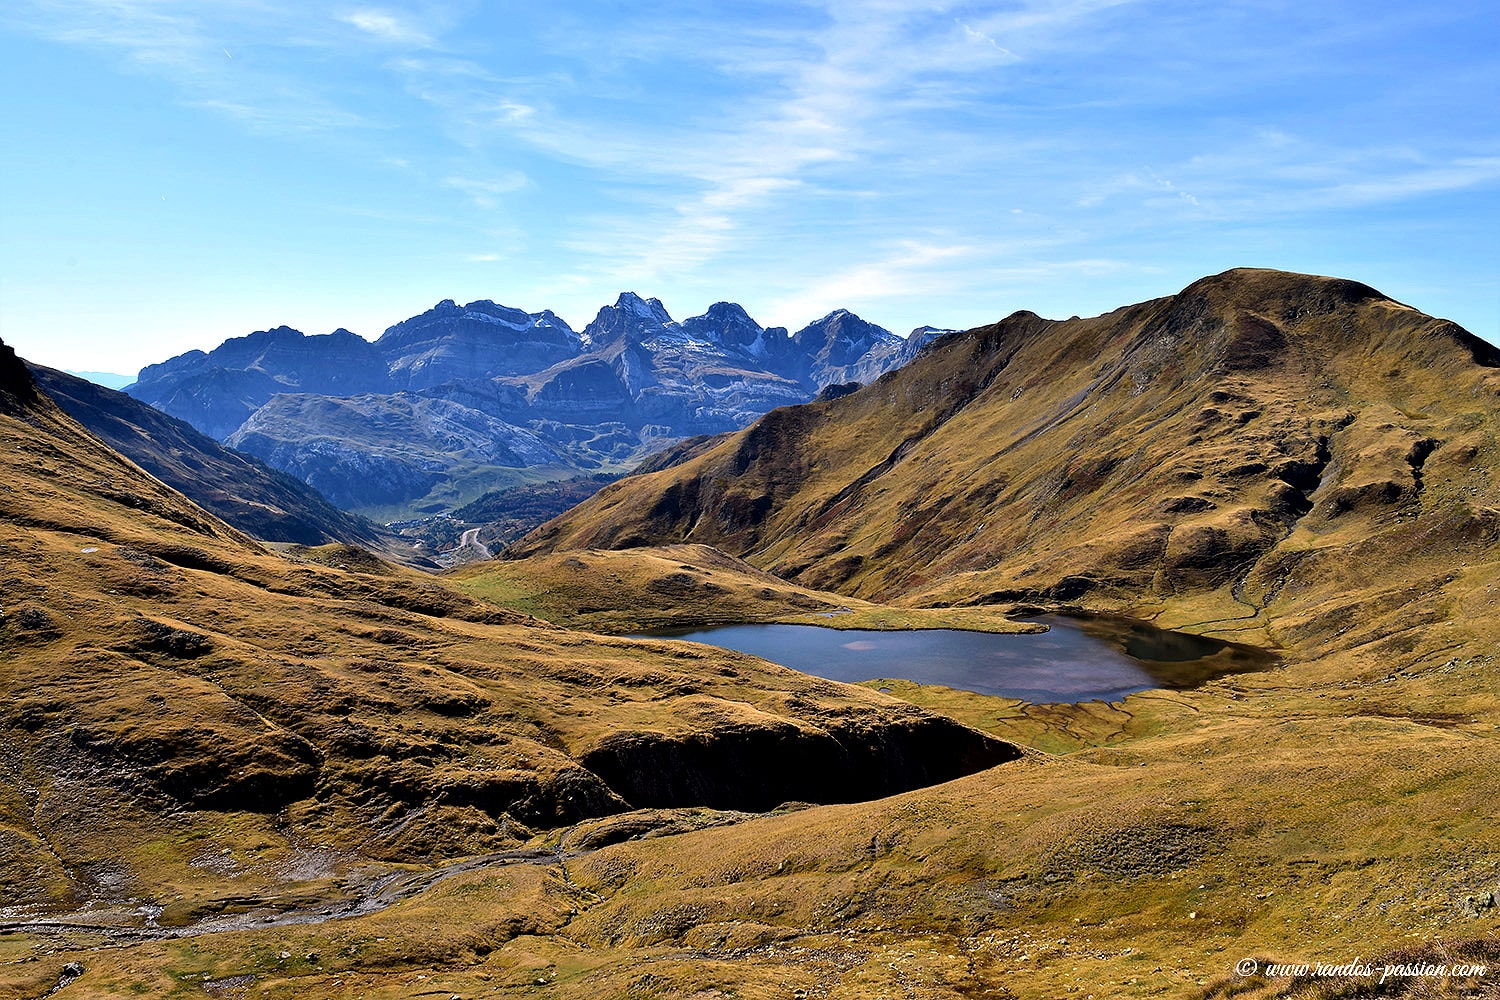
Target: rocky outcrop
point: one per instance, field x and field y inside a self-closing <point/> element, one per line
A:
<point x="17" y="390"/>
<point x="757" y="768"/>
<point x="918" y="339"/>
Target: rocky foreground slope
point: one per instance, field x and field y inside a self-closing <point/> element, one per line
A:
<point x="461" y="399"/>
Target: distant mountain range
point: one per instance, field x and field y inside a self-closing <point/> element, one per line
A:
<point x="464" y="399"/>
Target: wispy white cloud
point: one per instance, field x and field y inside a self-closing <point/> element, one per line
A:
<point x="388" y="27"/>
<point x="979" y="36"/>
<point x="485" y="192"/>
<point x="1145" y="184"/>
<point x="907" y="268"/>
<point x="829" y="103"/>
<point x="283" y="115"/>
<point x="1279" y="173"/>
<point x="1460" y="174"/>
<point x="236" y="57"/>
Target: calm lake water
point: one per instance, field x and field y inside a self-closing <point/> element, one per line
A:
<point x="1078" y="659"/>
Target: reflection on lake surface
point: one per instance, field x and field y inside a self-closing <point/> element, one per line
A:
<point x="1077" y="659"/>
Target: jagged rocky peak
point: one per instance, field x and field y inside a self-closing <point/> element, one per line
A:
<point x="548" y="318"/>
<point x="650" y="309"/>
<point x="482" y="310"/>
<point x="729" y="325"/>
<point x="841" y="347"/>
<point x="631" y="318"/>
<point x="843" y="334"/>
<point x="920" y="338"/>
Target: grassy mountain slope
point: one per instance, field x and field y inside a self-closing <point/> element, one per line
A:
<point x="686" y="586"/>
<point x="255" y="498"/>
<point x="1219" y="457"/>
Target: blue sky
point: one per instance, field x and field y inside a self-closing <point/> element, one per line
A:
<point x="176" y="172"/>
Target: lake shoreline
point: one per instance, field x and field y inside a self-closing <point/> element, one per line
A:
<point x="1063" y="660"/>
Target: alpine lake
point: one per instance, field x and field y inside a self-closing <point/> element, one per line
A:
<point x="1078" y="658"/>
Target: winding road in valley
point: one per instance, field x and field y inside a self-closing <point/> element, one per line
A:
<point x="470" y="539"/>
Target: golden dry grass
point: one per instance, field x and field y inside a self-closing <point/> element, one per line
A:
<point x="645" y="589"/>
<point x="1340" y="806"/>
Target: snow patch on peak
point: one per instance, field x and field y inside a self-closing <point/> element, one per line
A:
<point x="549" y="320"/>
<point x="726" y="324"/>
<point x="651" y="309"/>
<point x="928" y="332"/>
<point x="484" y="317"/>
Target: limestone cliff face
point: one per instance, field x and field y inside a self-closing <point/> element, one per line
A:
<point x="214" y="400"/>
<point x="216" y="392"/>
<point x="383" y="449"/>
<point x="586" y="391"/>
<point x="480" y="340"/>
